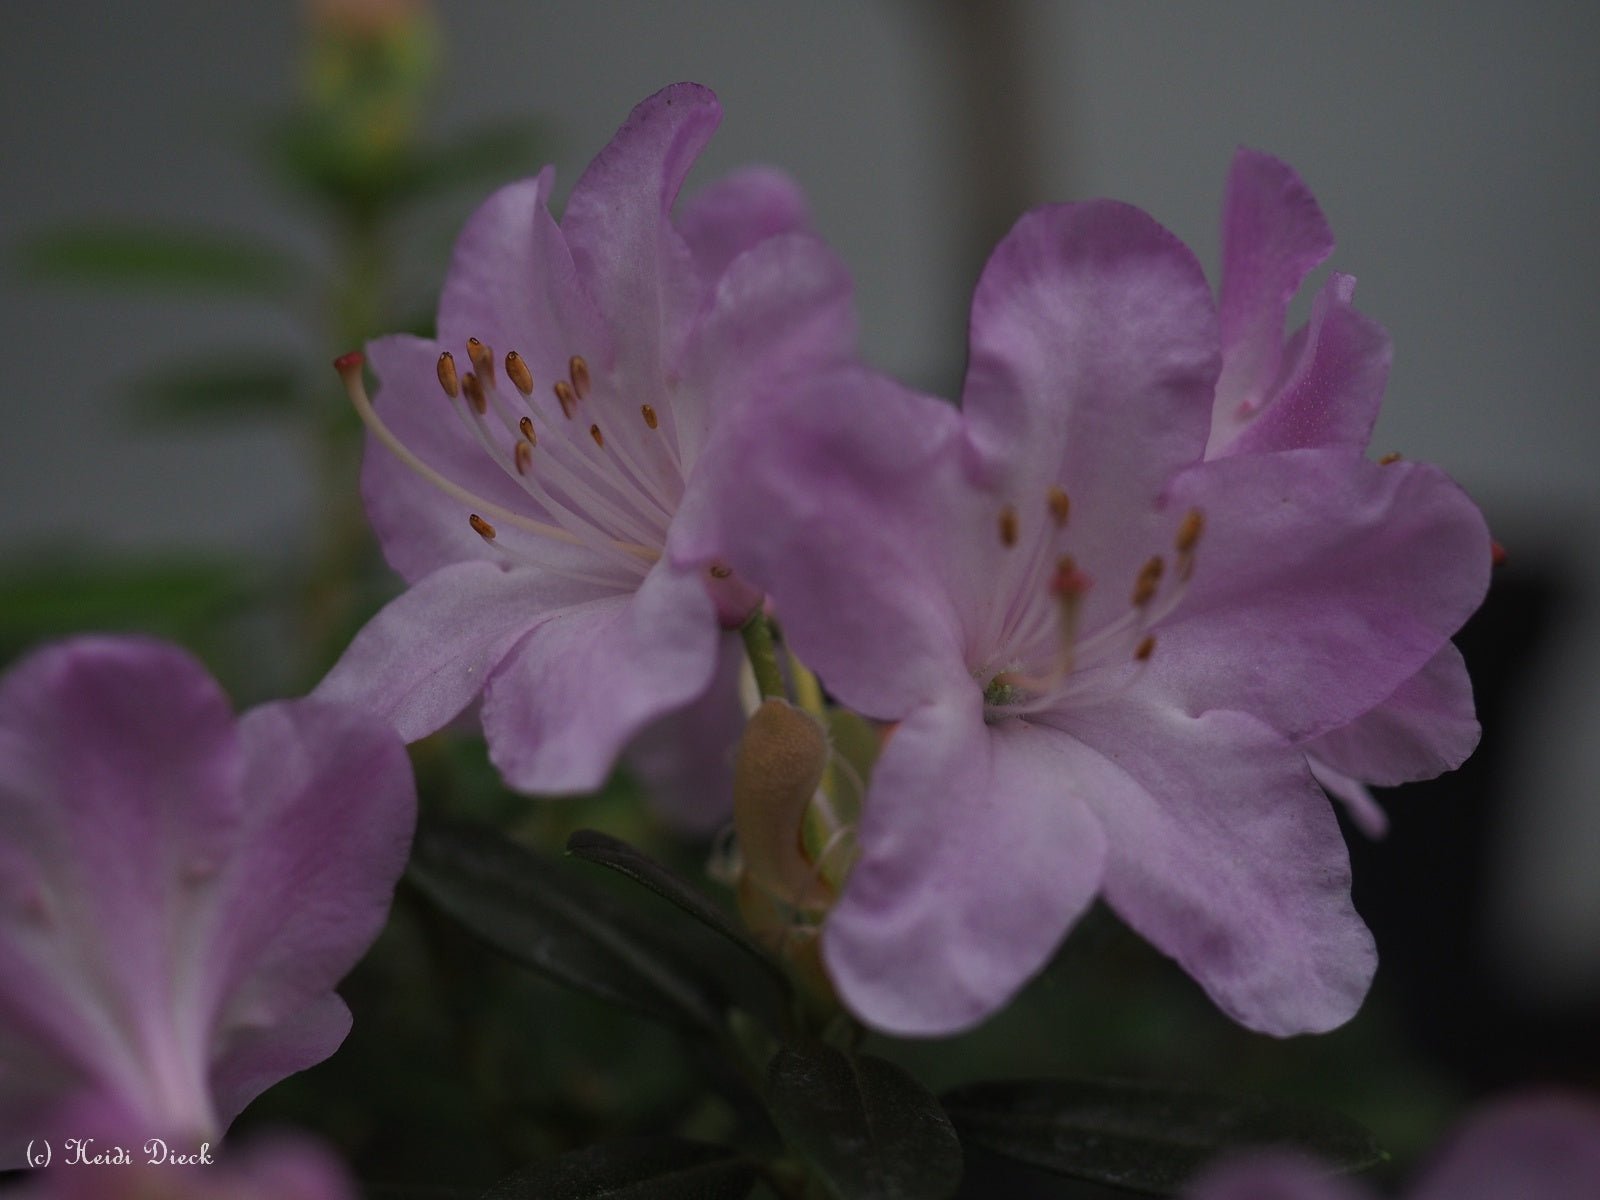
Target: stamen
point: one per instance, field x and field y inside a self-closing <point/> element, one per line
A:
<point x="565" y="395"/>
<point x="481" y="527"/>
<point x="523" y="454"/>
<point x="579" y="370"/>
<point x="1389" y="459"/>
<point x="1067" y="580"/>
<point x="1147" y="581"/>
<point x="649" y="414"/>
<point x="1194" y="524"/>
<point x="1145" y="648"/>
<point x="447" y="375"/>
<point x="473" y="387"/>
<point x="718" y="571"/>
<point x="1060" y="506"/>
<point x="482" y="359"/>
<point x="526" y="426"/>
<point x="1008" y="526"/>
<point x="517" y="371"/>
<point x="599" y="438"/>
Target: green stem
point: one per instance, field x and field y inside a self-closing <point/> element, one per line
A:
<point x="763" y="655"/>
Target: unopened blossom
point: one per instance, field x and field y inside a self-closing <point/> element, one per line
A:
<point x="1321" y="389"/>
<point x="180" y="889"/>
<point x="1104" y="651"/>
<point x="1528" y="1148"/>
<point x="525" y="468"/>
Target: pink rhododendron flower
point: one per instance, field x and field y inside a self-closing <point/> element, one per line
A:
<point x="1531" y="1148"/>
<point x="589" y="365"/>
<point x="180" y="889"/>
<point x="1321" y="390"/>
<point x="1104" y="650"/>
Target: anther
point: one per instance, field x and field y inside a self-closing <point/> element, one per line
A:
<point x="1008" y="526"/>
<point x="579" y="370"/>
<point x="1145" y="648"/>
<point x="1060" y="506"/>
<point x="718" y="571"/>
<point x="474" y="390"/>
<point x="1194" y="524"/>
<point x="523" y="454"/>
<point x="599" y="438"/>
<point x="447" y="375"/>
<point x="481" y="527"/>
<point x="517" y="371"/>
<point x="1389" y="459"/>
<point x="649" y="415"/>
<point x="526" y="425"/>
<point x="1147" y="581"/>
<point x="482" y="358"/>
<point x="564" y="394"/>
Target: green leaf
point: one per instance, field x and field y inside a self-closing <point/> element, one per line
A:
<point x="553" y="919"/>
<point x="659" y="1168"/>
<point x="225" y="388"/>
<point x="872" y="1131"/>
<point x="172" y="259"/>
<point x="596" y="847"/>
<point x="1144" y="1137"/>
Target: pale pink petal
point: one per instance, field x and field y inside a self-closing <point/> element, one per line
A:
<point x="1273" y="234"/>
<point x="1425" y="728"/>
<point x="1532" y="1146"/>
<point x="1333" y="389"/>
<point x="1225" y="855"/>
<point x="738" y="212"/>
<point x="429" y="652"/>
<point x="977" y="855"/>
<point x="562" y="705"/>
<point x="1322" y="583"/>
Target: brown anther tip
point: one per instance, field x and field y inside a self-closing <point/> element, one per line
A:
<point x="482" y="359"/>
<point x="526" y="425"/>
<point x="1060" y="506"/>
<point x="649" y="415"/>
<point x="1497" y="554"/>
<point x="719" y="571"/>
<point x="346" y="363"/>
<point x="1148" y="580"/>
<point x="1008" y="526"/>
<point x="517" y="371"/>
<point x="473" y="387"/>
<point x="448" y="379"/>
<point x="564" y="394"/>
<point x="599" y="438"/>
<point x="579" y="370"/>
<point x="1145" y="648"/>
<point x="1389" y="459"/>
<point x="1194" y="524"/>
<point x="522" y="453"/>
<point x="481" y="527"/>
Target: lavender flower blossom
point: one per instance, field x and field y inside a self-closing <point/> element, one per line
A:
<point x="589" y="366"/>
<point x="180" y="890"/>
<point x="1104" y="649"/>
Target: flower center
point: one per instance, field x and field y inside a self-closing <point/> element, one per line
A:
<point x="595" y="476"/>
<point x="1043" y="657"/>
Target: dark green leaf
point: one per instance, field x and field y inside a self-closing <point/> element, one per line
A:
<point x="596" y="847"/>
<point x="1145" y="1137"/>
<point x="871" y="1130"/>
<point x="661" y="1168"/>
<point x="158" y="258"/>
<point x="231" y="388"/>
<point x="549" y="917"/>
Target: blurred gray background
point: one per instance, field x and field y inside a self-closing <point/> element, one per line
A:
<point x="1453" y="148"/>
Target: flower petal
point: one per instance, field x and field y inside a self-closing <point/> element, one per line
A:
<point x="1332" y="394"/>
<point x="1273" y="234"/>
<point x="563" y="704"/>
<point x="1545" y="1146"/>
<point x="976" y="858"/>
<point x="1226" y="855"/>
<point x="737" y="213"/>
<point x="1427" y="727"/>
<point x="429" y="652"/>
<point x="322" y="843"/>
<point x="1359" y="802"/>
<point x="685" y="759"/>
<point x="1323" y="582"/>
